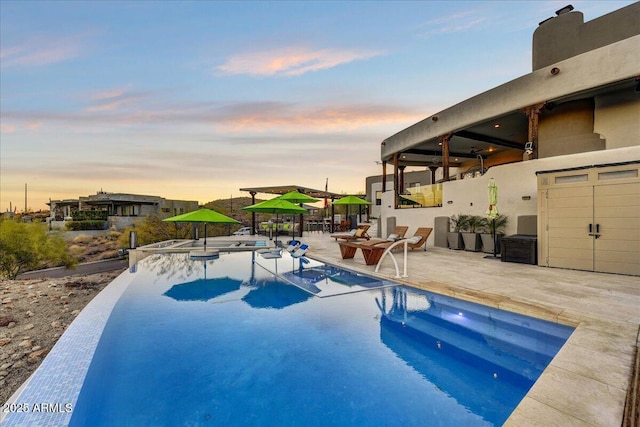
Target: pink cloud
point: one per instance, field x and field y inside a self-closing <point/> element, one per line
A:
<point x="291" y="61"/>
<point x="41" y="50"/>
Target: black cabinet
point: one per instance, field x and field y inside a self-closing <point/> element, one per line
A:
<point x="522" y="248"/>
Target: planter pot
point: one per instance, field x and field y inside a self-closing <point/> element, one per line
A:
<point x="471" y="242"/>
<point x="455" y="240"/>
<point x="487" y="243"/>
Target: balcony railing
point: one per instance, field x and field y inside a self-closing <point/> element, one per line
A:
<point x="423" y="196"/>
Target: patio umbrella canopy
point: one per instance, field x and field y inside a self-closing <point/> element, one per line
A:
<point x="492" y="212"/>
<point x="203" y="215"/>
<point x="297" y="197"/>
<point x="276" y="206"/>
<point x="351" y="200"/>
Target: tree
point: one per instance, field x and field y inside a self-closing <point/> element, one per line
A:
<point x="25" y="247"/>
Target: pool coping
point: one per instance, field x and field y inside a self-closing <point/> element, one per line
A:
<point x="62" y="372"/>
<point x="584" y="385"/>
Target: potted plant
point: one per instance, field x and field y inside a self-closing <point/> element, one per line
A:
<point x="454" y="238"/>
<point x="471" y="233"/>
<point x="493" y="231"/>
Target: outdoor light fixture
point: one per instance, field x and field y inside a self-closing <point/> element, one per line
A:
<point x="555" y="71"/>
<point x="497" y="125"/>
<point x="434" y="118"/>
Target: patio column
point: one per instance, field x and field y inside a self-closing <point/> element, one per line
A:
<point x="253" y="214"/>
<point x="445" y="156"/>
<point x="332" y="214"/>
<point x="533" y="113"/>
<point x="401" y="178"/>
<point x="433" y="170"/>
<point x="384" y="176"/>
<point x="395" y="181"/>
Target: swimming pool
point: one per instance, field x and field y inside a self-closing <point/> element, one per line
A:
<point x="245" y="340"/>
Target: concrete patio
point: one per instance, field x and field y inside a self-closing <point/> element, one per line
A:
<point x="587" y="382"/>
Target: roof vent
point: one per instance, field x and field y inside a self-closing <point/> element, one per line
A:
<point x="568" y="8"/>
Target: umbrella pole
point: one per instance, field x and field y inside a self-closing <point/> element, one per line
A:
<point x="495" y="240"/>
<point x="205" y="237"/>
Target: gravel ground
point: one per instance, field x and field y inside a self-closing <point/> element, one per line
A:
<point x="33" y="315"/>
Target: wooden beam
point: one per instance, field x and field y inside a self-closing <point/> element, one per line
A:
<point x="489" y="139"/>
<point x="445" y="156"/>
<point x="384" y="176"/>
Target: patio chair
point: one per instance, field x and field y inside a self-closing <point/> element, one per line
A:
<point x="354" y="234"/>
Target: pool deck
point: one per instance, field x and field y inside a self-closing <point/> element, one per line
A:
<point x="586" y="383"/>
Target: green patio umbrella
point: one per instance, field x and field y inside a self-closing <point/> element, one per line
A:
<point x="492" y="212"/>
<point x="297" y="197"/>
<point x="351" y="200"/>
<point x="276" y="206"/>
<point x="203" y="215"/>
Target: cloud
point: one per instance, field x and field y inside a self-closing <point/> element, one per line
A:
<point x="113" y="99"/>
<point x="256" y="117"/>
<point x="42" y="50"/>
<point x="453" y="23"/>
<point x="293" y="61"/>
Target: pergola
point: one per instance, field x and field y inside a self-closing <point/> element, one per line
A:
<point x="283" y="189"/>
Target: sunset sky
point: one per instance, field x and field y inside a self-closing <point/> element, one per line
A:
<point x="195" y="100"/>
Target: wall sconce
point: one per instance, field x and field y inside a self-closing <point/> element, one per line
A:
<point x="555" y="71"/>
<point x="526" y="197"/>
<point x="434" y="118"/>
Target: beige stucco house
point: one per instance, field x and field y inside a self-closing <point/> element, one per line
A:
<point x="561" y="142"/>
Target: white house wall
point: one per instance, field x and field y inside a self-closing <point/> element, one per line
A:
<point x="515" y="181"/>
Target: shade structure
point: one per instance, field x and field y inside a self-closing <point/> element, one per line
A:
<point x="203" y="216"/>
<point x="276" y="206"/>
<point x="351" y="200"/>
<point x="297" y="197"/>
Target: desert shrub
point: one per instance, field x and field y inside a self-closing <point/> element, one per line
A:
<point x="26" y="246"/>
<point x="85" y="225"/>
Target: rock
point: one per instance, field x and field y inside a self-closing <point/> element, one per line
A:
<point x="11" y="325"/>
<point x="28" y="326"/>
<point x="6" y="366"/>
<point x="25" y="343"/>
<point x="37" y="355"/>
<point x="5" y="320"/>
<point x="4" y="341"/>
<point x="56" y="324"/>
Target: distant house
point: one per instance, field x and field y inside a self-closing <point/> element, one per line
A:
<point x="120" y="210"/>
<point x="562" y="143"/>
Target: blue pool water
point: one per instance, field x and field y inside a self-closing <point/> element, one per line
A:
<point x="243" y="340"/>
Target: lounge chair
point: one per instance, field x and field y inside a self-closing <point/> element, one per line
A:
<point x="270" y="253"/>
<point x="372" y="250"/>
<point x="354" y="234"/>
<point x="302" y="249"/>
<point x="419" y="238"/>
<point x="293" y="245"/>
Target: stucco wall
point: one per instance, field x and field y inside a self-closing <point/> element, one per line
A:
<point x="617" y="119"/>
<point x="514" y="181"/>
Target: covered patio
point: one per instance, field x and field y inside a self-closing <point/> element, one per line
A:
<point x="279" y="190"/>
